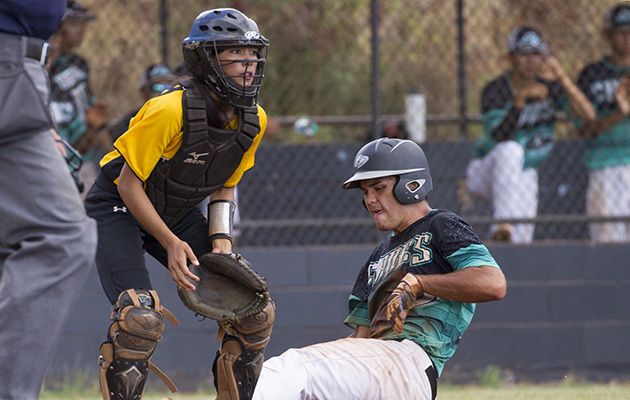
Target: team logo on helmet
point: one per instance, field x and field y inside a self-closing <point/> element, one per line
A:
<point x="360" y="161"/>
<point x="252" y="35"/>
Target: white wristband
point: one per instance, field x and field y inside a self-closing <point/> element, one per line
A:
<point x="220" y="219"/>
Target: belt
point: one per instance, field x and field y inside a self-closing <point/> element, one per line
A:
<point x="433" y="378"/>
<point x="34" y="48"/>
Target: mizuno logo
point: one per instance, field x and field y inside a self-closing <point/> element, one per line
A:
<point x="120" y="209"/>
<point x="195" y="158"/>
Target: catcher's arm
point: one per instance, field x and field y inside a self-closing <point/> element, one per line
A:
<point x="132" y="193"/>
<point x="222" y="244"/>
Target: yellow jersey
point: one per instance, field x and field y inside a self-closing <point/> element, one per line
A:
<point x="156" y="133"/>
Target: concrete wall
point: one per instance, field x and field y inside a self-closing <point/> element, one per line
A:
<point x="566" y="311"/>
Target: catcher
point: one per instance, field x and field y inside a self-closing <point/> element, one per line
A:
<point x="413" y="298"/>
<point x="194" y="140"/>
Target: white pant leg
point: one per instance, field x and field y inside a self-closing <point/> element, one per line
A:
<point x="348" y="369"/>
<point x="500" y="178"/>
<point x="608" y="194"/>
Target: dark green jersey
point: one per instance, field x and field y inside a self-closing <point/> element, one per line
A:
<point x="532" y="127"/>
<point x="439" y="243"/>
<point x="599" y="82"/>
<point x="70" y="96"/>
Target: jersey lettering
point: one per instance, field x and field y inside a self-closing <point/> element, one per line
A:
<point x="423" y="253"/>
<point x="414" y="252"/>
<point x="604" y="91"/>
<point x="534" y="113"/>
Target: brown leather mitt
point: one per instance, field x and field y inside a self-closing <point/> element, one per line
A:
<point x="228" y="290"/>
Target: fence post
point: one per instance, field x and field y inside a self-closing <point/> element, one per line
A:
<point x="463" y="121"/>
<point x="164" y="30"/>
<point x="376" y="94"/>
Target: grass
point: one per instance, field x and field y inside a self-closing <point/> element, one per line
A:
<point x="552" y="391"/>
<point x="492" y="383"/>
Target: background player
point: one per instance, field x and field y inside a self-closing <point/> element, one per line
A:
<point x="518" y="114"/>
<point x="79" y="115"/>
<point x="404" y="330"/>
<point x="192" y="141"/>
<point x="607" y="153"/>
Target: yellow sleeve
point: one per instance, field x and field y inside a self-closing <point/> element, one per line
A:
<point x="155" y="132"/>
<point x="248" y="159"/>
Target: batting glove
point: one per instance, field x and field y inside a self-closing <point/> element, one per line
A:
<point x="401" y="300"/>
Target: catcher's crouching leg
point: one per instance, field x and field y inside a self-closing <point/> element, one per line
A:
<point x="132" y="337"/>
<point x="240" y="357"/>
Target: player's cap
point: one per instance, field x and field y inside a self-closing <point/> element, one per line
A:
<point x="155" y="75"/>
<point x="74" y="9"/>
<point x="617" y="18"/>
<point x="525" y="39"/>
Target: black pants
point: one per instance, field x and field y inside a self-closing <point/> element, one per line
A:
<point x="122" y="242"/>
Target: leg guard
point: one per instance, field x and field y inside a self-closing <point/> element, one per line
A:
<point x="132" y="337"/>
<point x="240" y="358"/>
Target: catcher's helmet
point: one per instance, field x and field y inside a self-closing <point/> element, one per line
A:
<point x="394" y="157"/>
<point x="213" y="31"/>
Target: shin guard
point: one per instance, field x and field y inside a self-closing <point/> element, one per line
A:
<point x="240" y="358"/>
<point x="135" y="331"/>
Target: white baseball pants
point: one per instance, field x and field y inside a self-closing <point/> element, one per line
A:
<point x="499" y="177"/>
<point x="348" y="369"/>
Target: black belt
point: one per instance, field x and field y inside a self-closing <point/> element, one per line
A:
<point x="433" y="378"/>
<point x="37" y="49"/>
<point x="34" y="48"/>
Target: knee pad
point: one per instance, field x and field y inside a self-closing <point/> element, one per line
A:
<point x="241" y="355"/>
<point x="131" y="339"/>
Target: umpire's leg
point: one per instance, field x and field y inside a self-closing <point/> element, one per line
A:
<point x="47" y="247"/>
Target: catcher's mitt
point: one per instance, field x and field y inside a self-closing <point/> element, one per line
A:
<point x="228" y="290"/>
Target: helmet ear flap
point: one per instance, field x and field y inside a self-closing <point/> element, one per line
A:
<point x="408" y="195"/>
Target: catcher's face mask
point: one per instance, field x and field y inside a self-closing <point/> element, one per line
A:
<point x="214" y="31"/>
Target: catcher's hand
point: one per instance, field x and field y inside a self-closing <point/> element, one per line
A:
<point x="401" y="300"/>
<point x="228" y="290"/>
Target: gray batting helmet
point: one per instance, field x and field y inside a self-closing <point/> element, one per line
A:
<point x="394" y="157"/>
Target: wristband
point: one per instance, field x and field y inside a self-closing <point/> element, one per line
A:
<point x="220" y="219"/>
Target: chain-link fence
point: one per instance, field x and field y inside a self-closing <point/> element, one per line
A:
<point x="321" y="71"/>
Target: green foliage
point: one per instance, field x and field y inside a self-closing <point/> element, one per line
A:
<point x="489" y="376"/>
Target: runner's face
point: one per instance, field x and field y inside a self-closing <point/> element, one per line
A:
<point x="388" y="213"/>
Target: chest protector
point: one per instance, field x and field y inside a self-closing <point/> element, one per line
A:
<point x="206" y="159"/>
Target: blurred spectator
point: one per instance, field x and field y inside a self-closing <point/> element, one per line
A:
<point x="155" y="79"/>
<point x="181" y="70"/>
<point x="80" y="117"/>
<point x="395" y="130"/>
<point x="518" y="115"/>
<point x="606" y="83"/>
<point x="391" y="129"/>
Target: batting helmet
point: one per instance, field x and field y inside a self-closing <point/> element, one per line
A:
<point x="394" y="157"/>
<point x="213" y="31"/>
